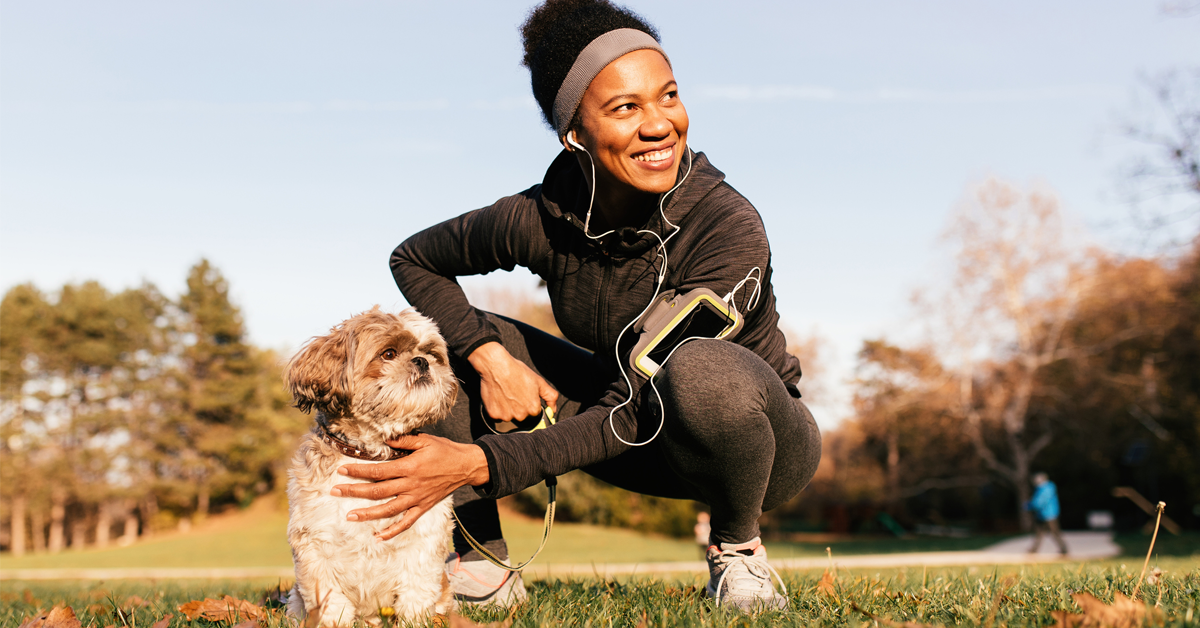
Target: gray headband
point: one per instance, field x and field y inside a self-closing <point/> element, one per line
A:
<point x="595" y="57"/>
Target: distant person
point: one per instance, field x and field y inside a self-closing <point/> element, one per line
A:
<point x="1044" y="506"/>
<point x="625" y="213"/>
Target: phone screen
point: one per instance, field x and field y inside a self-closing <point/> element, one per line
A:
<point x="704" y="321"/>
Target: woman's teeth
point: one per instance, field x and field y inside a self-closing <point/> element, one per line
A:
<point x="658" y="155"/>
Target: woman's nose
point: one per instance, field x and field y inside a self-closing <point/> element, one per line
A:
<point x="656" y="126"/>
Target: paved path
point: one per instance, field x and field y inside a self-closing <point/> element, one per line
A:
<point x="1081" y="546"/>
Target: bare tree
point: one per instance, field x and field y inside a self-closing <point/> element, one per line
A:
<point x="1161" y="180"/>
<point x="1017" y="280"/>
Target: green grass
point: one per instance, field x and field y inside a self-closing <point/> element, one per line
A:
<point x="960" y="596"/>
<point x="880" y="545"/>
<point x="258" y="539"/>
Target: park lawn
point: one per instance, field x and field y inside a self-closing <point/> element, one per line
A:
<point x="258" y="538"/>
<point x="1017" y="596"/>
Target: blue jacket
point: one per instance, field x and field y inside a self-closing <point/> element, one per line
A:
<point x="1044" y="502"/>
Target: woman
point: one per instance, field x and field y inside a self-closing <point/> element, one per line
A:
<point x="625" y="212"/>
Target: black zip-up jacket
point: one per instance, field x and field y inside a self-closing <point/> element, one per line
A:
<point x="595" y="291"/>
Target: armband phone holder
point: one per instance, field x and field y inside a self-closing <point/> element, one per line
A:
<point x="673" y="319"/>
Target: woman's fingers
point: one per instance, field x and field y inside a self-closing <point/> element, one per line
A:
<point x="548" y="394"/>
<point x="375" y="471"/>
<point x="410" y="517"/>
<point x="375" y="490"/>
<point x="382" y="511"/>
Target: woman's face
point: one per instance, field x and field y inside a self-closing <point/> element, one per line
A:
<point x="634" y="125"/>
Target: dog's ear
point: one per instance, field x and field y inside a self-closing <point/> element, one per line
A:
<point x="320" y="374"/>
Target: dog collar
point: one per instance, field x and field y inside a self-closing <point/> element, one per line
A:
<point x="354" y="452"/>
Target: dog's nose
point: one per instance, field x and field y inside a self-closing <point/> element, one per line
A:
<point x="422" y="365"/>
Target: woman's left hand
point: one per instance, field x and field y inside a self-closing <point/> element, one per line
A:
<point x="416" y="482"/>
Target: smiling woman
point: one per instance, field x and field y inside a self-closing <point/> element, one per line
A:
<point x="626" y="216"/>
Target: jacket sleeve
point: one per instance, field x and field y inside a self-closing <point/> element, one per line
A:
<point x="425" y="266"/>
<point x="733" y="241"/>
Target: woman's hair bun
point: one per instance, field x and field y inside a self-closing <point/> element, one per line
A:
<point x="554" y="34"/>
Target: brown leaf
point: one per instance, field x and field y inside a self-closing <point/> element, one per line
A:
<point x="135" y="601"/>
<point x="58" y="617"/>
<point x="27" y="597"/>
<point x="228" y="609"/>
<point x="164" y="622"/>
<point x="253" y="623"/>
<point x="1122" y="613"/>
<point x="826" y="584"/>
<point x="1063" y="619"/>
<point x="642" y="623"/>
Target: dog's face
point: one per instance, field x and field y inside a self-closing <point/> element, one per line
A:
<point x="375" y="376"/>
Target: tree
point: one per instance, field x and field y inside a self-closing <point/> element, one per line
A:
<point x="71" y="372"/>
<point x="1015" y="286"/>
<point x="1162" y="178"/>
<point x="218" y="384"/>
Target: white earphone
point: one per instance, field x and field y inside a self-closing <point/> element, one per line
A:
<point x="662" y="274"/>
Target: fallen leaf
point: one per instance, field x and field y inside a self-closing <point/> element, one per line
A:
<point x="642" y="623"/>
<point x="228" y="609"/>
<point x="164" y="622"/>
<point x="1122" y="613"/>
<point x="58" y="617"/>
<point x="246" y="624"/>
<point x="826" y="584"/>
<point x="135" y="601"/>
<point x="27" y="597"/>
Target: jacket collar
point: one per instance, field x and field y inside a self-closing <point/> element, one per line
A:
<point x="565" y="194"/>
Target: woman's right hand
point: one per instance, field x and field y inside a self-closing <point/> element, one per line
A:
<point x="510" y="390"/>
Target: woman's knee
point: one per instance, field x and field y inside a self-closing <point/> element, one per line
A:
<point x="716" y="370"/>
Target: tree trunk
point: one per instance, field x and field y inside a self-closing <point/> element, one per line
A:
<point x="893" y="464"/>
<point x="19" y="505"/>
<point x="202" y="502"/>
<point x="58" y="515"/>
<point x="130" y="532"/>
<point x="149" y="508"/>
<point x="37" y="527"/>
<point x="103" y="524"/>
<point x="1026" y="518"/>
<point x="79" y="529"/>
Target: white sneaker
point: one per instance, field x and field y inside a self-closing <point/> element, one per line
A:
<point x="479" y="582"/>
<point x="740" y="576"/>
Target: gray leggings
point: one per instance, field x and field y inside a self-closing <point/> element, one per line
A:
<point x="735" y="437"/>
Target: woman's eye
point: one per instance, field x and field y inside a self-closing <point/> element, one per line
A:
<point x="390" y="354"/>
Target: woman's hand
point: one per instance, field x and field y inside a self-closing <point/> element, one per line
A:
<point x="510" y="390"/>
<point x="416" y="482"/>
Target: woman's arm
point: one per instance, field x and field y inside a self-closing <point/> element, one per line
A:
<point x="426" y="265"/>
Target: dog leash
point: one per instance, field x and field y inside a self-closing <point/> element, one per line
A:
<point x="552" y="498"/>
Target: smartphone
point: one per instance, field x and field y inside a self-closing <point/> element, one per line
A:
<point x="697" y="314"/>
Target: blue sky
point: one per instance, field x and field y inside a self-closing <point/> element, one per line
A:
<point x="294" y="144"/>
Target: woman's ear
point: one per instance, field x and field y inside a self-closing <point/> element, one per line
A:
<point x="570" y="141"/>
<point x="320" y="374"/>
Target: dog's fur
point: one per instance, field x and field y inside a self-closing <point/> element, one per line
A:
<point x="375" y="376"/>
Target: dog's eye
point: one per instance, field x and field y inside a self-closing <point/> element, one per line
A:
<point x="390" y="354"/>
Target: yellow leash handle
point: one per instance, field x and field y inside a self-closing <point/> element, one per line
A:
<point x="551" y="486"/>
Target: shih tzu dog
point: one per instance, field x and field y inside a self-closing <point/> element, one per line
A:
<point x="374" y="377"/>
